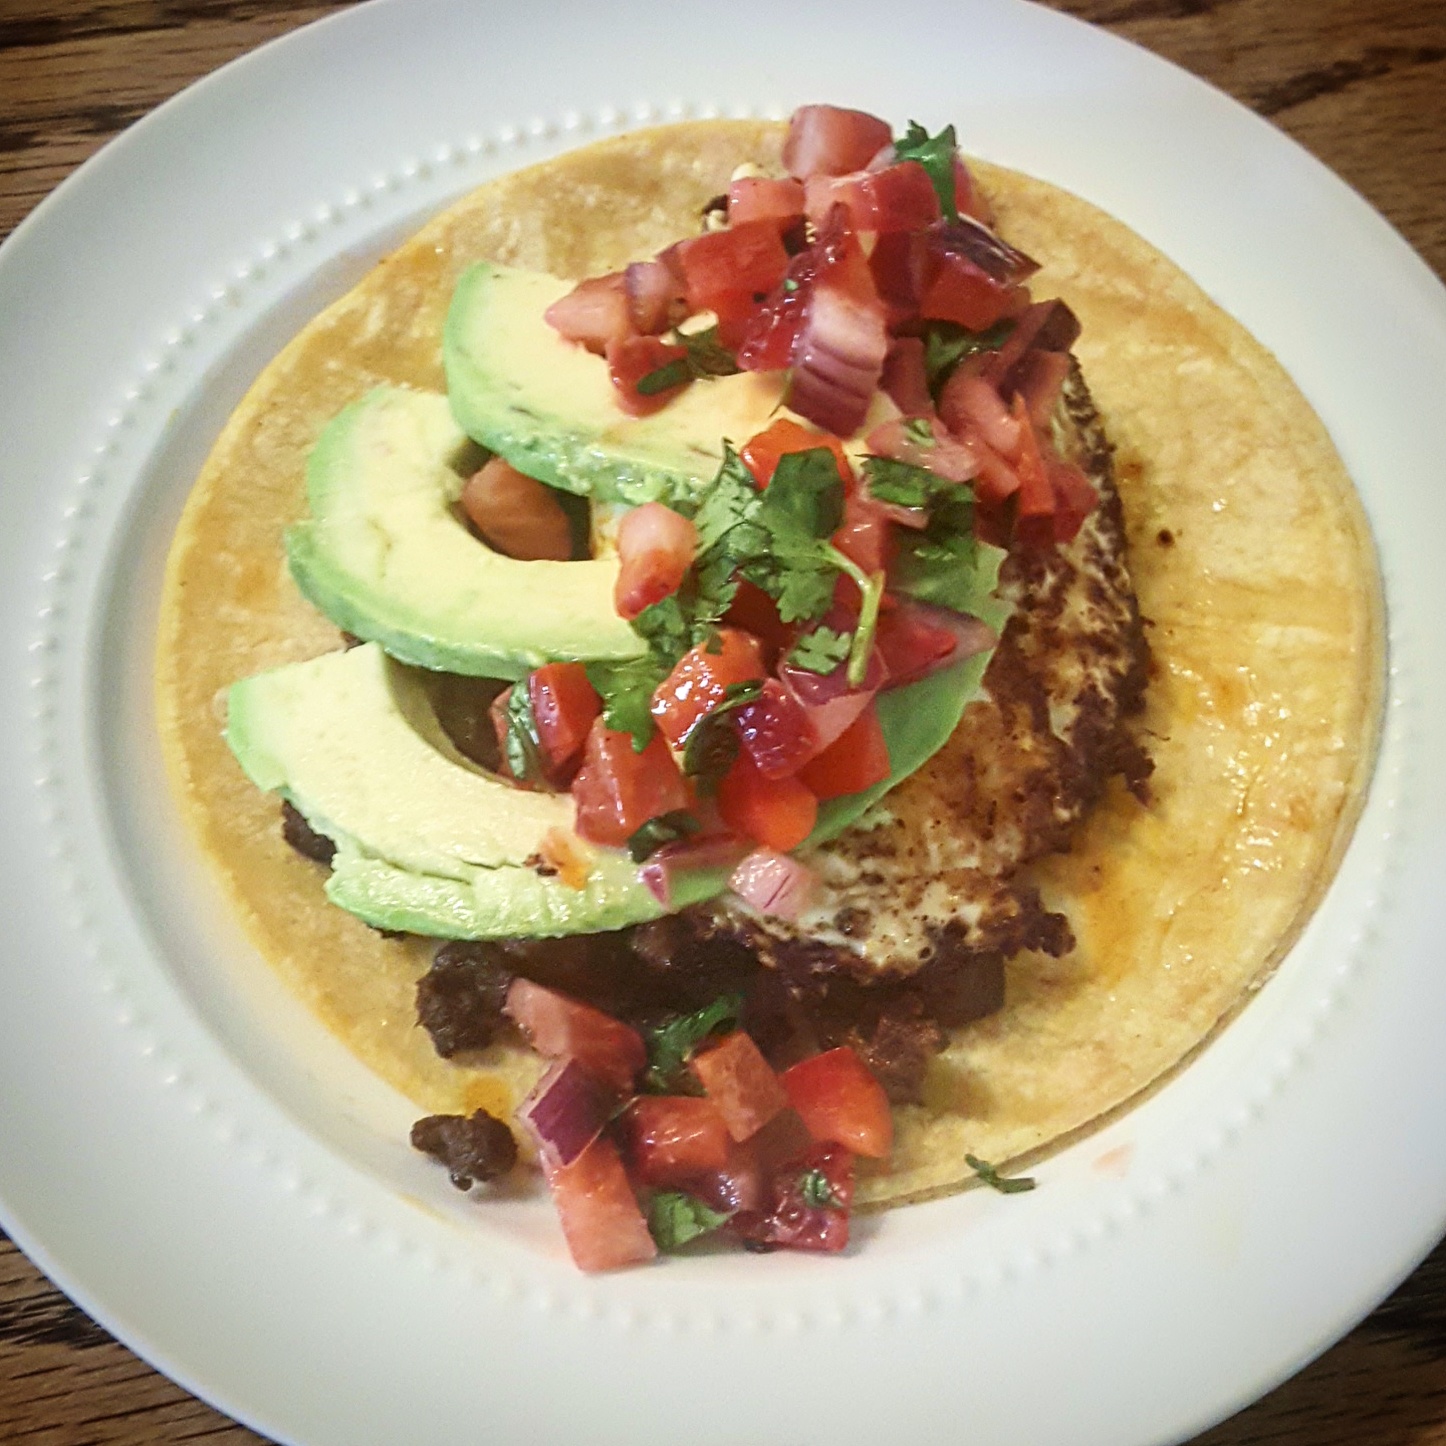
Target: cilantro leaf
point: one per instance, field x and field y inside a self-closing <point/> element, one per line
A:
<point x="707" y="356"/>
<point x="936" y="155"/>
<point x="904" y="483"/>
<point x="661" y="379"/>
<point x="821" y="650"/>
<point x="817" y="1191"/>
<point x="1005" y="1184"/>
<point x="946" y="344"/>
<point x="664" y="828"/>
<point x="731" y="501"/>
<point x="666" y="628"/>
<point x="626" y="690"/>
<point x="671" y="1045"/>
<point x="522" y="746"/>
<point x="805" y="494"/>
<point x="712" y="743"/>
<point x="940" y="564"/>
<point x="675" y="1218"/>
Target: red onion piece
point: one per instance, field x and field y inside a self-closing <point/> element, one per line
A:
<point x="1046" y="326"/>
<point x="829" y="700"/>
<point x="566" y="1111"/>
<point x="773" y="883"/>
<point x="971" y="635"/>
<point x="905" y="379"/>
<point x="837" y="360"/>
<point x="970" y="405"/>
<point x="944" y="455"/>
<point x="664" y="870"/>
<point x="974" y="241"/>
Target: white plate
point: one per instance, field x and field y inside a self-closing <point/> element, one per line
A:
<point x="186" y="1155"/>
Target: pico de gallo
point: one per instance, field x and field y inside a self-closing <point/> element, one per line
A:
<point x="819" y="570"/>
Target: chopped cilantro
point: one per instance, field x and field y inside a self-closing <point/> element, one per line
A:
<point x="1005" y="1184"/>
<point x="712" y="742"/>
<point x="667" y="629"/>
<point x="675" y="1218"/>
<point x="665" y="828"/>
<point x="946" y="344"/>
<point x="522" y="747"/>
<point x="936" y="155"/>
<point x="905" y="484"/>
<point x="821" y="650"/>
<point x="671" y="1045"/>
<point x="626" y="690"/>
<point x="707" y="356"/>
<point x="919" y="429"/>
<point x="671" y="374"/>
<point x="817" y="1191"/>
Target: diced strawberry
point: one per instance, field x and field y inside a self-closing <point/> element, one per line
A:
<point x="593" y="313"/>
<point x="755" y="612"/>
<point x="744" y="261"/>
<point x="778" y="812"/>
<point x="841" y="1102"/>
<point x="558" y="1026"/>
<point x="958" y="290"/>
<point x="905" y="380"/>
<point x="809" y="1204"/>
<point x="617" y="789"/>
<point x="1034" y="503"/>
<point x="764" y="198"/>
<point x="740" y="1082"/>
<point x="1074" y="497"/>
<point x="857" y="759"/>
<point x="898" y="198"/>
<point x="655" y="296"/>
<point x="601" y="1221"/>
<point x="910" y="643"/>
<point x="777" y="732"/>
<point x="673" y="1139"/>
<point x="656" y="547"/>
<point x="829" y="140"/>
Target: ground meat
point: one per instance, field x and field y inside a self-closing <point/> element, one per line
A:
<point x="473" y="1147"/>
<point x="460" y="998"/>
<point x="303" y="838"/>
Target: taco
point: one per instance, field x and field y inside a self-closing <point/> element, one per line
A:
<point x="1055" y="903"/>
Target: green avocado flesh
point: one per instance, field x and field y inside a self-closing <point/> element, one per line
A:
<point x="549" y="407"/>
<point x="387" y="557"/>
<point x="427" y="842"/>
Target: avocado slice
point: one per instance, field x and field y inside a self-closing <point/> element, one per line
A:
<point x="386" y="555"/>
<point x="548" y="405"/>
<point x="427" y="842"/>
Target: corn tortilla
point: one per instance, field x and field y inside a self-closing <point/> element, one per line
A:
<point x="1251" y="559"/>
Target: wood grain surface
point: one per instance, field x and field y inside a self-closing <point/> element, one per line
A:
<point x="1361" y="83"/>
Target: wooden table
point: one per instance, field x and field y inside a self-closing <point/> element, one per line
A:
<point x="1362" y="83"/>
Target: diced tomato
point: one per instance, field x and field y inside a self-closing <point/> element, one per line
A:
<point x="701" y="678"/>
<point x="841" y="1102"/>
<point x="564" y="705"/>
<point x="764" y="198"/>
<point x="632" y="360"/>
<point x="755" y="612"/>
<point x="857" y="759"/>
<point x="617" y="790"/>
<point x="559" y="1026"/>
<point x="863" y="536"/>
<point x="761" y="454"/>
<point x="777" y="731"/>
<point x="910" y="644"/>
<point x="829" y="140"/>
<point x="594" y="312"/>
<point x="898" y="198"/>
<point x="673" y="1139"/>
<point x="779" y="812"/>
<point x="746" y="260"/>
<point x="740" y="1083"/>
<point x="809" y="1204"/>
<point x="1074" y="498"/>
<point x="601" y="1221"/>
<point x="958" y="290"/>
<point x="655" y="550"/>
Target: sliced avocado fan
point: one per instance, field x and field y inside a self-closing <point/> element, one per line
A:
<point x="549" y="406"/>
<point x="386" y="555"/>
<point x="426" y="842"/>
